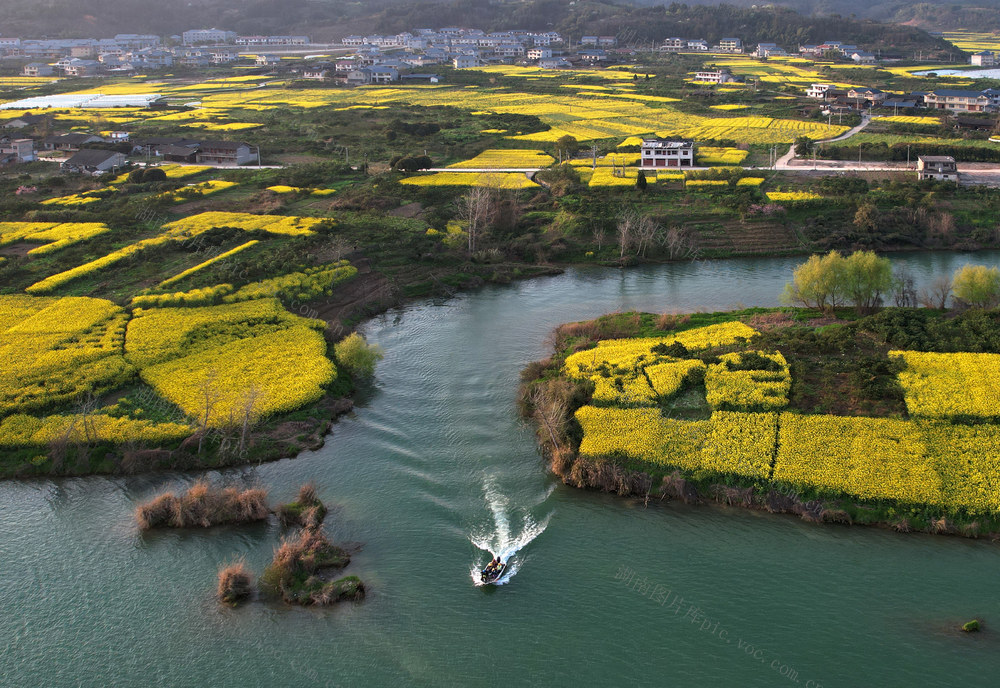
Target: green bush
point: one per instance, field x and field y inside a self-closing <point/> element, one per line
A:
<point x="357" y="356"/>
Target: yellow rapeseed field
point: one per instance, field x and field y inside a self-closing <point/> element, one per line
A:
<point x="221" y="363"/>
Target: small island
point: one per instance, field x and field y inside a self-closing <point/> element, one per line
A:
<point x="864" y="415"/>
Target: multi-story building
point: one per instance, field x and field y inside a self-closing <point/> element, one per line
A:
<point x="207" y="36"/>
<point x="769" y="50"/>
<point x="819" y="91"/>
<point x="983" y="59"/>
<point x="258" y="41"/>
<point x="673" y="45"/>
<point x="466" y="62"/>
<point x="958" y="100"/>
<point x="37" y="69"/>
<point x="940" y="167"/>
<point x="660" y="153"/>
<point x="731" y="45"/>
<point x="137" y="41"/>
<point x="226" y="153"/>
<point x="720" y="76"/>
<point x="20" y="150"/>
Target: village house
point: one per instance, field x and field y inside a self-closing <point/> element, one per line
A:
<point x="958" y="100"/>
<point x="940" y="167"/>
<point x="983" y="59"/>
<point x="720" y="76"/>
<point x="593" y="55"/>
<point x="17" y="150"/>
<point x="730" y="45"/>
<point x="766" y="50"/>
<point x="226" y="153"/>
<point x="660" y="153"/>
<point x="26" y="121"/>
<point x="871" y="95"/>
<point x="38" y="69"/>
<point x="539" y="53"/>
<point x="69" y="142"/>
<point x="554" y="63"/>
<point x="818" y="91"/>
<point x="93" y="161"/>
<point x="318" y="72"/>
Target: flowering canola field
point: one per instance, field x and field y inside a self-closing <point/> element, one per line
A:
<point x="182" y="230"/>
<point x="202" y="359"/>
<point x="928" y="460"/>
<point x="51" y="235"/>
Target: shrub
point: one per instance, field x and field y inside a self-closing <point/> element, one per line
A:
<point x="977" y="285"/>
<point x="292" y="572"/>
<point x="357" y="356"/>
<point x="307" y="510"/>
<point x="202" y="506"/>
<point x="235" y="583"/>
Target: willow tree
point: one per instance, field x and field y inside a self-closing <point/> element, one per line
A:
<point x="817" y="283"/>
<point x="977" y="286"/>
<point x="866" y="277"/>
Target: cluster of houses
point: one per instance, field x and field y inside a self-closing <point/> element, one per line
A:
<point x="23" y="137"/>
<point x="466" y="48"/>
<point x="128" y="53"/>
<point x="828" y="49"/>
<point x="222" y="37"/>
<point x="955" y="100"/>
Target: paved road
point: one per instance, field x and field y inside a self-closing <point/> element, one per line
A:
<point x="787" y="161"/>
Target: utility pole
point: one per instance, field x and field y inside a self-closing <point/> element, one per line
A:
<point x="907" y="156"/>
<point x="859" y="155"/>
<point x="593" y="151"/>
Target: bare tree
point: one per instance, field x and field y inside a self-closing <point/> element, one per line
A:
<point x="210" y="394"/>
<point x="250" y="398"/>
<point x="936" y="295"/>
<point x="87" y="405"/>
<point x="477" y="210"/>
<point x="646" y="231"/>
<point x="599" y="232"/>
<point x="904" y="293"/>
<point x="628" y="222"/>
<point x="678" y="243"/>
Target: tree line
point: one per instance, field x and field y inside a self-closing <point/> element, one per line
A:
<point x="865" y="280"/>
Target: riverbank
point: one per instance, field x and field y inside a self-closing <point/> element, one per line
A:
<point x="789" y="411"/>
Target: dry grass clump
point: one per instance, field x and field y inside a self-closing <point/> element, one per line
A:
<point x="295" y="573"/>
<point x="764" y="322"/>
<point x="201" y="506"/>
<point x="307" y="510"/>
<point x="235" y="583"/>
<point x="608" y="476"/>
<point x="612" y="326"/>
<point x="670" y="321"/>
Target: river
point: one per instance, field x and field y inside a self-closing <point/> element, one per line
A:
<point x="612" y="592"/>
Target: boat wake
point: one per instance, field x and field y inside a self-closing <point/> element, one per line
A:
<point x="498" y="538"/>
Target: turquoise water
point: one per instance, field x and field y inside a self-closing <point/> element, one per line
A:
<point x="435" y="457"/>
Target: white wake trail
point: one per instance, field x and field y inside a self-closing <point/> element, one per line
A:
<point x="497" y="538"/>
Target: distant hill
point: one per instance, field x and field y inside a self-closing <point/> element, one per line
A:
<point x="979" y="15"/>
<point x="330" y="19"/>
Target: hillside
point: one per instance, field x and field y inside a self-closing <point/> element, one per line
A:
<point x="330" y="19"/>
